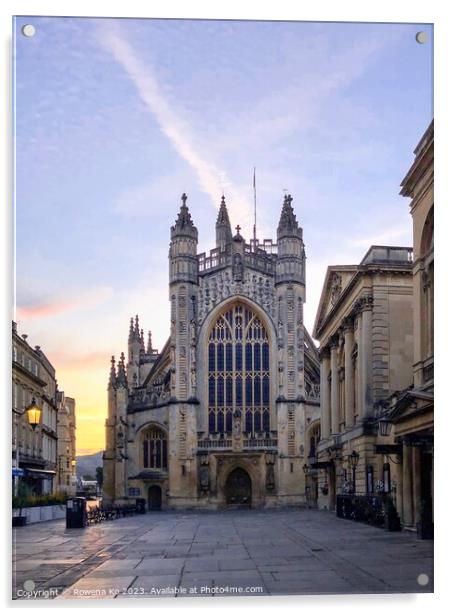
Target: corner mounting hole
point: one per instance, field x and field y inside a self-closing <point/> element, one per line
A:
<point x="423" y="579"/>
<point x="28" y="30"/>
<point x="421" y="37"/>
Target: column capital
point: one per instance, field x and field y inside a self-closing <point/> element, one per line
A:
<point x="333" y="342"/>
<point x="365" y="302"/>
<point x="348" y="324"/>
<point x="324" y="352"/>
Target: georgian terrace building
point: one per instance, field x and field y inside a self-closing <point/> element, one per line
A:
<point x="66" y="424"/>
<point x="365" y="328"/>
<point x="34" y="452"/>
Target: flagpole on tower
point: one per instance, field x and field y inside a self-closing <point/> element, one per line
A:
<point x="254" y="227"/>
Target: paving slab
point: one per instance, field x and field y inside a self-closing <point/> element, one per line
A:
<point x="283" y="551"/>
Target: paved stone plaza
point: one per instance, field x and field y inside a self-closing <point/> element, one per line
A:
<point x="290" y="551"/>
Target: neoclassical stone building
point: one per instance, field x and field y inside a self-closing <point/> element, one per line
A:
<point x="225" y="413"/>
<point x="411" y="410"/>
<point x="364" y="324"/>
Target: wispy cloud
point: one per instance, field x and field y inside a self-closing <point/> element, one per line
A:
<point x="31" y="308"/>
<point x="394" y="234"/>
<point x="210" y="176"/>
<point x="70" y="361"/>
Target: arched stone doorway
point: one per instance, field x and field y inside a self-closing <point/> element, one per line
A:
<point x="155" y="498"/>
<point x="238" y="489"/>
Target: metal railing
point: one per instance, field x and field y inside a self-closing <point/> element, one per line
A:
<point x="376" y="510"/>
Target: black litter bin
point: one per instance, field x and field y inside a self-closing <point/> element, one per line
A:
<point x="141" y="505"/>
<point x="76" y="516"/>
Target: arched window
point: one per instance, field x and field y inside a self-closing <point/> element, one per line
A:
<point x="155" y="447"/>
<point x="238" y="371"/>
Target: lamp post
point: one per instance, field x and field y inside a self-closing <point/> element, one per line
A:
<point x="306" y="487"/>
<point x="354" y="457"/>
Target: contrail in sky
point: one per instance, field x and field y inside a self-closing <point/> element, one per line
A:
<point x="209" y="175"/>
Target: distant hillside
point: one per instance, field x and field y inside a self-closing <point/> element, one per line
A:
<point x="86" y="465"/>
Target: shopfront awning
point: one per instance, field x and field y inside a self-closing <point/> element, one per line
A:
<point x="17" y="472"/>
<point x="39" y="473"/>
<point x="322" y="464"/>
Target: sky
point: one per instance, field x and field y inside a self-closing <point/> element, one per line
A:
<point x="115" y="119"/>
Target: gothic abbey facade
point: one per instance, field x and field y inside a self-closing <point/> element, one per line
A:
<point x="228" y="411"/>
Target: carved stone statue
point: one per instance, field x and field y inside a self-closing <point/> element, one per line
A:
<point x="227" y="284"/>
<point x="270" y="477"/>
<point x="280" y="330"/>
<point x="204" y="480"/>
<point x="336" y="287"/>
<point x="237" y="268"/>
<point x="193" y="331"/>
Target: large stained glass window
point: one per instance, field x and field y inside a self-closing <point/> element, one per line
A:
<point x="239" y="372"/>
<point x="155" y="449"/>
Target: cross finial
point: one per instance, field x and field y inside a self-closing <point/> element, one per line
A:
<point x="289" y="199"/>
<point x="238" y="227"/>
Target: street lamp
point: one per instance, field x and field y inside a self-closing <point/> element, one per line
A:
<point x="33" y="412"/>
<point x="384" y="426"/>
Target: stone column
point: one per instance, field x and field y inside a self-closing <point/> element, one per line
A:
<point x="325" y="400"/>
<point x="334" y="388"/>
<point x="407" y="486"/>
<point x="417" y="494"/>
<point x="365" y="351"/>
<point x="349" y="380"/>
<point x="399" y="493"/>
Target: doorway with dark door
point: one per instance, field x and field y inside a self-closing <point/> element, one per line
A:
<point x="155" y="498"/>
<point x="238" y="488"/>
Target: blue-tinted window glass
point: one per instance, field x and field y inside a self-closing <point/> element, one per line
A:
<point x="238" y="391"/>
<point x="249" y="392"/>
<point x="265" y="390"/>
<point x="248" y="357"/>
<point x="249" y="421"/>
<point x="229" y="357"/>
<point x="226" y="366"/>
<point x="266" y="421"/>
<point x="220" y="391"/>
<point x="238" y="357"/>
<point x="211" y="357"/>
<point x="211" y="391"/>
<point x="265" y="356"/>
<point x="257" y="422"/>
<point x="257" y="357"/>
<point x="145" y="455"/>
<point x="229" y="391"/>
<point x="257" y="390"/>
<point x="158" y="453"/>
<point x="220" y="357"/>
